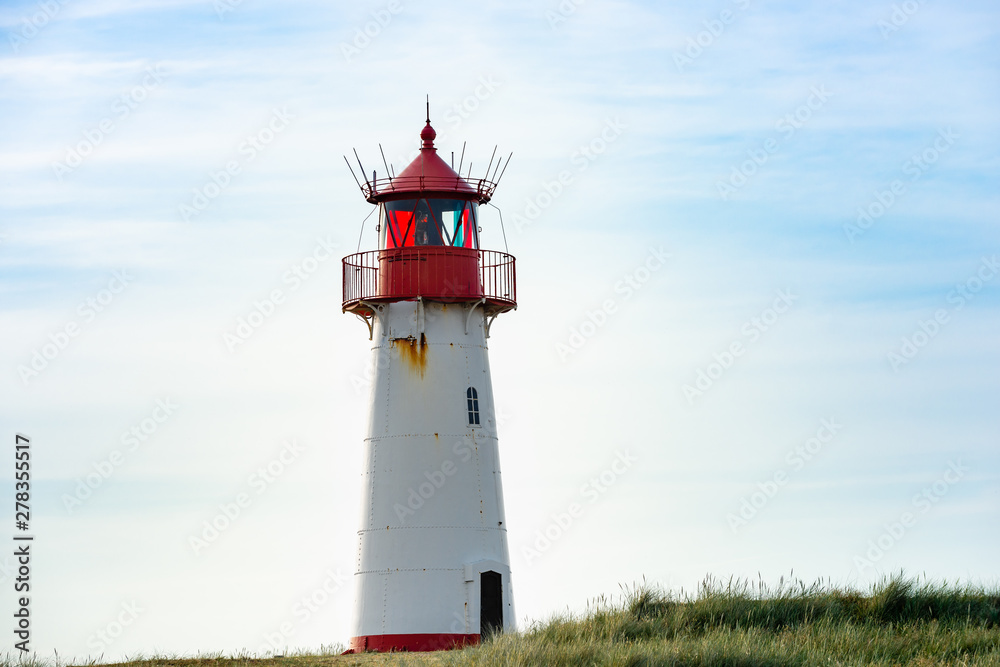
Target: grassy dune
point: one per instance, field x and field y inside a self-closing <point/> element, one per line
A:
<point x="897" y="623"/>
<point x="736" y="624"/>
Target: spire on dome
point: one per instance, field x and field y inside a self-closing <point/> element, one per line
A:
<point x="428" y="134"/>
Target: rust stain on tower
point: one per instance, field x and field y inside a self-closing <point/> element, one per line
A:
<point x="413" y="354"/>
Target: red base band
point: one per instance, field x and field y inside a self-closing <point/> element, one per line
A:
<point x="428" y="642"/>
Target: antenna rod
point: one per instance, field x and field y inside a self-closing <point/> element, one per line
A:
<point x="506" y="249"/>
<point x="491" y="163"/>
<point x="353" y="174"/>
<point x="362" y="168"/>
<point x="469" y="175"/>
<point x="453" y="159"/>
<point x="383" y="158"/>
<point x="363" y="227"/>
<point x="497" y="168"/>
<point x="428" y="108"/>
<point x="461" y="159"/>
<point x="505" y="167"/>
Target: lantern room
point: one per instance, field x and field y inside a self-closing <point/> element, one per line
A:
<point x="404" y="223"/>
<point x="429" y="239"/>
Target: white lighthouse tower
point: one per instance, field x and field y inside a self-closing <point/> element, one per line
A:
<point x="433" y="570"/>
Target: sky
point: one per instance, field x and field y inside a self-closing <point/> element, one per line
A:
<point x="756" y="334"/>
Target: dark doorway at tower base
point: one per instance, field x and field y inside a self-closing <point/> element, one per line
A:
<point x="490" y="603"/>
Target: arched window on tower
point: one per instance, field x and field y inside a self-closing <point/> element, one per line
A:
<point x="472" y="399"/>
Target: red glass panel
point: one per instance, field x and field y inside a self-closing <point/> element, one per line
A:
<point x="400" y="229"/>
<point x="466" y="231"/>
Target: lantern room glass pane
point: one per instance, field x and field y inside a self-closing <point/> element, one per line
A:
<point x="423" y="222"/>
<point x="383" y="227"/>
<point x="472" y="226"/>
<point x="398" y="223"/>
<point x="451" y="219"/>
<point x="427" y="227"/>
<point x="456" y="219"/>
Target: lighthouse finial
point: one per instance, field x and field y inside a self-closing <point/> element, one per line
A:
<point x="427" y="134"/>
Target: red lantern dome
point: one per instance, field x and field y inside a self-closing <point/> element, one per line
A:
<point x="428" y="175"/>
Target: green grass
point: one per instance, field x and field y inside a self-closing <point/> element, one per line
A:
<point x="735" y="624"/>
<point x="899" y="622"/>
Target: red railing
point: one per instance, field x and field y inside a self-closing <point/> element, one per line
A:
<point x="437" y="273"/>
<point x="373" y="190"/>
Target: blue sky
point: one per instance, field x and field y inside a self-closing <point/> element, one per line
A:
<point x="627" y="122"/>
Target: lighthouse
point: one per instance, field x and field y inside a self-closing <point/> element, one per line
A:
<point x="433" y="570"/>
